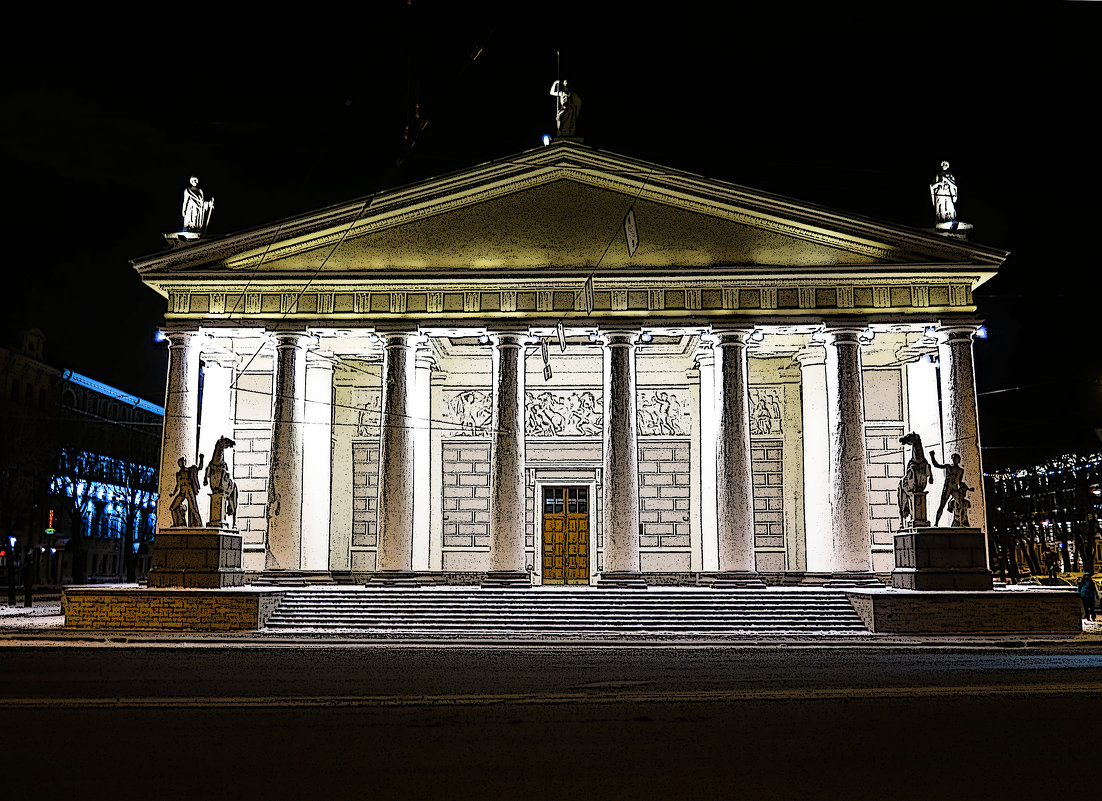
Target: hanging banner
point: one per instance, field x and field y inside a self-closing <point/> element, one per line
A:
<point x="547" y="372"/>
<point x="630" y="233"/>
<point x="562" y="336"/>
<point x="589" y="295"/>
<point x="544" y="351"/>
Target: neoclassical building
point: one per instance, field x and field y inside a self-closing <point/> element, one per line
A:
<point x="476" y="375"/>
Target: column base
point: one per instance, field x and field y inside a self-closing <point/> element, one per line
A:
<point x="853" y="578"/>
<point x="626" y="579"/>
<point x="507" y="578"/>
<point x="815" y="579"/>
<point x="738" y="580"/>
<point x="392" y="578"/>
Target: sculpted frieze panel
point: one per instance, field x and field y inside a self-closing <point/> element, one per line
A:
<point x="469" y="412"/>
<point x="367" y="402"/>
<point x="562" y="413"/>
<point x="765" y="409"/>
<point x="662" y="412"/>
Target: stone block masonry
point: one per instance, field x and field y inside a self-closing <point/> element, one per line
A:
<point x="664" y="471"/>
<point x="466" y="495"/>
<point x="118" y="608"/>
<point x="767" y="468"/>
<point x="196" y="557"/>
<point x="365" y="494"/>
<point x="992" y="612"/>
<point x="887" y="464"/>
<point x="251" y="457"/>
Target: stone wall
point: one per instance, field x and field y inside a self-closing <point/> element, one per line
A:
<point x="886" y="465"/>
<point x="365" y="504"/>
<point x="113" y="608"/>
<point x="982" y="612"/>
<point x="664" y="471"/>
<point x="466" y="499"/>
<point x="767" y="467"/>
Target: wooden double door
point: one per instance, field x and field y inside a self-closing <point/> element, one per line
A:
<point x="566" y="535"/>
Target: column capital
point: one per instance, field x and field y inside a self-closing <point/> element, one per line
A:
<point x="738" y="336"/>
<point x="398" y="338"/>
<point x="619" y="337"/>
<point x="179" y="337"/>
<point x="292" y="339"/>
<point x="955" y="332"/>
<point x="811" y="356"/>
<point x="842" y="334"/>
<point x="508" y="337"/>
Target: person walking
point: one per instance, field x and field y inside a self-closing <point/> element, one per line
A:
<point x="1089" y="596"/>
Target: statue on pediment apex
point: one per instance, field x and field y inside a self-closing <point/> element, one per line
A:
<point x="566" y="109"/>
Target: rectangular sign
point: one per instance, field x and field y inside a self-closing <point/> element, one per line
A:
<point x="562" y="336"/>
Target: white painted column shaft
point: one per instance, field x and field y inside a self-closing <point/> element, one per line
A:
<point x="284" y="551"/>
<point x="621" y="456"/>
<point x="960" y="421"/>
<point x="317" y="463"/>
<point x="507" y="454"/>
<point x="819" y="542"/>
<point x="421" y="409"/>
<point x="734" y="483"/>
<point x="709" y="526"/>
<point x="180" y="435"/>
<point x="849" y="503"/>
<point x="396" y="460"/>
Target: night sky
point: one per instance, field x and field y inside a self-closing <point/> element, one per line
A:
<point x="105" y="118"/>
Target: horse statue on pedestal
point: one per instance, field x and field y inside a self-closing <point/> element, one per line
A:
<point x="223" y="490"/>
<point x="912" y="487"/>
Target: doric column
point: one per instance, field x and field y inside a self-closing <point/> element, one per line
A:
<point x="959" y="421"/>
<point x="849" y="505"/>
<point x="396" y="460"/>
<point x="317" y="462"/>
<point x="421" y="406"/>
<point x="818" y="540"/>
<point x="734" y="482"/>
<point x="284" y="549"/>
<point x="181" y="429"/>
<point x="709" y="526"/>
<point x="621" y="464"/>
<point x="507" y="463"/>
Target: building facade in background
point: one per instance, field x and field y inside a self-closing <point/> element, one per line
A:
<point x="570" y="366"/>
<point x="79" y="461"/>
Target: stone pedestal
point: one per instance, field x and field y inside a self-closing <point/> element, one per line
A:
<point x="941" y="559"/>
<point x="197" y="557"/>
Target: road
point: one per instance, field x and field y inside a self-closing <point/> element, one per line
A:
<point x="370" y="721"/>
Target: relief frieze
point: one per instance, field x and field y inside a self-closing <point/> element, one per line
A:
<point x="765" y="410"/>
<point x="662" y="413"/>
<point x="562" y="413"/>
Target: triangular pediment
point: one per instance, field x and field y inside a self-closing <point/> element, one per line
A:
<point x="562" y="207"/>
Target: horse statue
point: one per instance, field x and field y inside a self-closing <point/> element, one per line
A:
<point x="223" y="490"/>
<point x="912" y="487"/>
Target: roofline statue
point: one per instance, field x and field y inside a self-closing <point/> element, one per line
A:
<point x="943" y="195"/>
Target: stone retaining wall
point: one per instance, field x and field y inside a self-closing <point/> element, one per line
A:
<point x="982" y="612"/>
<point x="115" y="608"/>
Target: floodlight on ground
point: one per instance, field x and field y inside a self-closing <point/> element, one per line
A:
<point x="981" y="332"/>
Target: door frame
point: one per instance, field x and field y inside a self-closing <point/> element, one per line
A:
<point x="540" y="484"/>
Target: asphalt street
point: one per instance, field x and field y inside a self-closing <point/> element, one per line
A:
<point x="446" y="721"/>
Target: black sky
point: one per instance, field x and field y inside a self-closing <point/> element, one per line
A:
<point x="105" y="117"/>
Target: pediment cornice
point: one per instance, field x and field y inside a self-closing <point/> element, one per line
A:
<point x="630" y="178"/>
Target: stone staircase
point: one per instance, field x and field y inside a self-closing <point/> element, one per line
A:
<point x="565" y="612"/>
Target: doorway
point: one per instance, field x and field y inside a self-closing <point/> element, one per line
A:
<point x="566" y="535"/>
